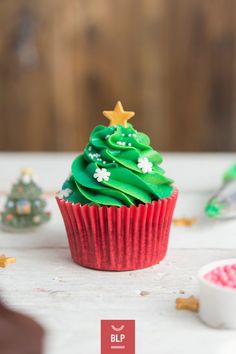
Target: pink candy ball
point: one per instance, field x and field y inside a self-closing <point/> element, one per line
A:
<point x="223" y="276"/>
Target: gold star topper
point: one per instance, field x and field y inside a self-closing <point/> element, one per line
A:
<point x="118" y="116"/>
<point x="4" y="261"/>
<point x="26" y="171"/>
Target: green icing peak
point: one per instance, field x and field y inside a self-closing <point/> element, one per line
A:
<point x="213" y="208"/>
<point x="118" y="167"/>
<point x="230" y="173"/>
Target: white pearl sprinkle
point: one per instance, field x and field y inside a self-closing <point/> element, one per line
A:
<point x="134" y="134"/>
<point x="123" y="143"/>
<point x="129" y="144"/>
<point x="129" y="134"/>
<point x="90" y="148"/>
<point x="104" y="162"/>
<point x="123" y="134"/>
<point x="94" y="155"/>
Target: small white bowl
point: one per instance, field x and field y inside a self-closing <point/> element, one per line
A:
<point x="217" y="303"/>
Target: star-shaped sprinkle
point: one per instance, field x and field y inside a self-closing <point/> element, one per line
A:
<point x="184" y="221"/>
<point x="4" y="261"/>
<point x="26" y="175"/>
<point x="118" y="116"/>
<point x="27" y="171"/>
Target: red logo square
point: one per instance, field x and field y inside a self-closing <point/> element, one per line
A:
<point x="117" y="337"/>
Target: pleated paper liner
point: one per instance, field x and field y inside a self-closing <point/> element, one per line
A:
<point x="118" y="239"/>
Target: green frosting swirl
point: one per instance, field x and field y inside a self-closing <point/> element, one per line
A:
<point x="118" y="167"/>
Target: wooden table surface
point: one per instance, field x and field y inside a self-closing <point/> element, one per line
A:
<point x="70" y="300"/>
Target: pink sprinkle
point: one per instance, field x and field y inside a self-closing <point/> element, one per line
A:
<point x="223" y="276"/>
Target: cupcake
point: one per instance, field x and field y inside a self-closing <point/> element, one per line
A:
<point x="117" y="204"/>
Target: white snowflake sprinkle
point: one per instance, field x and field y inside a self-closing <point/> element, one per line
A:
<point x="101" y="174"/>
<point x="119" y="143"/>
<point x="90" y="148"/>
<point x="64" y="193"/>
<point x="144" y="165"/>
<point x="134" y="134"/>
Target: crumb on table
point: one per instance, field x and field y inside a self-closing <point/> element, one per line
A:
<point x="191" y="304"/>
<point x="144" y="293"/>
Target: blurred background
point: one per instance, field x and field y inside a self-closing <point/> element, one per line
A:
<point x="62" y="62"/>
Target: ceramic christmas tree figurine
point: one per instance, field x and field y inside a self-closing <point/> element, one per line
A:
<point x="25" y="207"/>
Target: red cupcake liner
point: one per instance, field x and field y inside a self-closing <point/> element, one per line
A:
<point x="118" y="239"/>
